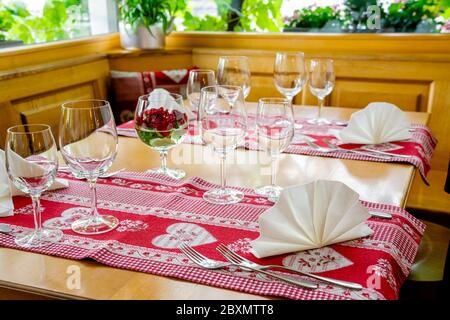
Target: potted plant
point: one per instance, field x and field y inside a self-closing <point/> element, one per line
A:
<point x="146" y="23"/>
<point x="312" y="19"/>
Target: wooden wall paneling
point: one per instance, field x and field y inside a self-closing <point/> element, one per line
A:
<point x="45" y="108"/>
<point x="8" y="118"/>
<point x="149" y="60"/>
<point x="354" y="93"/>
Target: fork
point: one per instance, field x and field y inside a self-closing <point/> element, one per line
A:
<point x="207" y="263"/>
<point x="334" y="148"/>
<point x="245" y="262"/>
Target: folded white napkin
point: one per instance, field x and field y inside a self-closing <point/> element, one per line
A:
<point x="311" y="216"/>
<point x="159" y="97"/>
<point x="379" y="122"/>
<point x="8" y="190"/>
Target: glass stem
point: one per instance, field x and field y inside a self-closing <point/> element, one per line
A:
<point x="273" y="180"/>
<point x="163" y="156"/>
<point x="223" y="173"/>
<point x="321" y="101"/>
<point x="93" y="187"/>
<point x="37" y="213"/>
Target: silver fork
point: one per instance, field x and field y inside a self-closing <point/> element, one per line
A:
<point x="334" y="148"/>
<point x="383" y="153"/>
<point x="243" y="261"/>
<point x="207" y="263"/>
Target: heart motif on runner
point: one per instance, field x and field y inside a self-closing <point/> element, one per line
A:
<point x="67" y="218"/>
<point x="317" y="260"/>
<point x="187" y="233"/>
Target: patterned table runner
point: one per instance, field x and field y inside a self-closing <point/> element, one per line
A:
<point x="419" y="148"/>
<point x="157" y="214"/>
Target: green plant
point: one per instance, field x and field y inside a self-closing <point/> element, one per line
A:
<point x="404" y="16"/>
<point x="247" y="15"/>
<point x="311" y="17"/>
<point x="59" y="21"/>
<point x="150" y="12"/>
<point x="260" y="15"/>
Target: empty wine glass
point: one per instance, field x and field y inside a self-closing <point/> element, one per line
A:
<point x="198" y="79"/>
<point x="321" y="83"/>
<point x="32" y="163"/>
<point x="234" y="71"/>
<point x="290" y="73"/>
<point x="88" y="143"/>
<point x="275" y="130"/>
<point x="224" y="123"/>
<point x="161" y="122"/>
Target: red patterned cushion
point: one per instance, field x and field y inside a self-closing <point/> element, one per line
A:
<point x="126" y="87"/>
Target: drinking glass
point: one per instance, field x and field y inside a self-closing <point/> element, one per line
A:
<point x="234" y="71"/>
<point x="32" y="163"/>
<point x="88" y="143"/>
<point x="198" y="79"/>
<point x="321" y="83"/>
<point x="290" y="73"/>
<point x="161" y="122"/>
<point x="275" y="130"/>
<point x="224" y="123"/>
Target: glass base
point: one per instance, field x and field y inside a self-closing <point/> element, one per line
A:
<point x="35" y="239"/>
<point x="173" y="173"/>
<point x="298" y="126"/>
<point x="223" y="196"/>
<point x="319" y="121"/>
<point x="95" y="225"/>
<point x="270" y="192"/>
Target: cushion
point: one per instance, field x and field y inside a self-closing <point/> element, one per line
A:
<point x="126" y="87"/>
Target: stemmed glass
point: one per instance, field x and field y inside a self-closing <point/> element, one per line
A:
<point x="161" y="122"/>
<point x="289" y="73"/>
<point x="224" y="123"/>
<point x="275" y="130"/>
<point x="321" y="83"/>
<point x="198" y="79"/>
<point x="32" y="163"/>
<point x="88" y="143"/>
<point x="234" y="71"/>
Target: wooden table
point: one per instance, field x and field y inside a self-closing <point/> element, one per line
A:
<point x="35" y="274"/>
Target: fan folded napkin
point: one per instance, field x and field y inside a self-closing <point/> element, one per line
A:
<point x="311" y="216"/>
<point x="8" y="190"/>
<point x="379" y="122"/>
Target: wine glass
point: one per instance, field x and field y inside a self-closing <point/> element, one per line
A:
<point x="290" y="73"/>
<point x="161" y="122"/>
<point x="32" y="163"/>
<point x="275" y="130"/>
<point x="224" y="123"/>
<point x="234" y="71"/>
<point x="88" y="143"/>
<point x="321" y="83"/>
<point x="198" y="79"/>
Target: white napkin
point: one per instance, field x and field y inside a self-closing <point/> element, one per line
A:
<point x="160" y="97"/>
<point x="7" y="190"/>
<point x="379" y="122"/>
<point x="311" y="216"/>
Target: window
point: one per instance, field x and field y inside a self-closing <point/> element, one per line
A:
<point x="38" y="21"/>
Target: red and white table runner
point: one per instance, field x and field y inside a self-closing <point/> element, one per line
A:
<point x="157" y="214"/>
<point x="419" y="148"/>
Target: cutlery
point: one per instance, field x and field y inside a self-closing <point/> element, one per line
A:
<point x="4" y="228"/>
<point x="334" y="147"/>
<point x="386" y="153"/>
<point x="381" y="215"/>
<point x="105" y="175"/>
<point x="207" y="263"/>
<point x="245" y="262"/>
